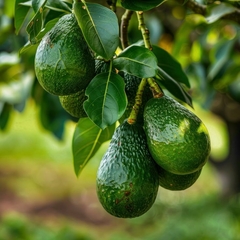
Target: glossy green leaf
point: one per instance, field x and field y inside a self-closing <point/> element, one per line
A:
<point x="170" y="65"/>
<point x="107" y="100"/>
<point x="21" y="12"/>
<point x="140" y="5"/>
<point x="87" y="139"/>
<point x="219" y="10"/>
<point x="137" y="61"/>
<point x="173" y="87"/>
<point x="99" y="26"/>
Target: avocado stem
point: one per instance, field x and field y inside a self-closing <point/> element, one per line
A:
<point x="156" y="90"/>
<point x="145" y="32"/>
<point x="138" y="101"/>
<point x="112" y="4"/>
<point x="126" y="17"/>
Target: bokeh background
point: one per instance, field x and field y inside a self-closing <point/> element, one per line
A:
<point x="40" y="196"/>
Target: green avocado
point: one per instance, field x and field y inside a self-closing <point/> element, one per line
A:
<point x="101" y="66"/>
<point x="63" y="62"/>
<point x="177" y="139"/>
<point x="73" y="104"/>
<point x="131" y="87"/>
<point x="175" y="182"/>
<point x="127" y="178"/>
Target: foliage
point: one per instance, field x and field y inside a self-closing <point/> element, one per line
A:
<point x="202" y="52"/>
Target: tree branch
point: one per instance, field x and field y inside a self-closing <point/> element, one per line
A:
<point x="202" y="9"/>
<point x="124" y="27"/>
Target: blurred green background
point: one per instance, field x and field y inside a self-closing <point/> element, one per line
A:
<point x="40" y="196"/>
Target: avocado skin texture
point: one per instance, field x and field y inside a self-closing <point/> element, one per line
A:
<point x="63" y="62"/>
<point x="73" y="104"/>
<point x="131" y="87"/>
<point x="127" y="178"/>
<point x="177" y="139"/>
<point x="101" y="66"/>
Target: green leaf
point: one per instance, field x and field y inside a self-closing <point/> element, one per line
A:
<point x="58" y="5"/>
<point x="107" y="100"/>
<point x="36" y="23"/>
<point x="41" y="34"/>
<point x="138" y="61"/>
<point x="5" y="113"/>
<point x="99" y="26"/>
<point x="170" y="65"/>
<point x="37" y="4"/>
<point x="21" y="12"/>
<point x="220" y="57"/>
<point x="52" y="116"/>
<point x="140" y="5"/>
<point x="87" y="139"/>
<point x="173" y="87"/>
<point x="218" y="11"/>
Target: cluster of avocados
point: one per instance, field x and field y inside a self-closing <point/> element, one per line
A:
<point x="167" y="146"/>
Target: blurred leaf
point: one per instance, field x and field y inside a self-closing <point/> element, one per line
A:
<point x="5" y="111"/>
<point x="107" y="100"/>
<point x="140" y="5"/>
<point x="137" y="61"/>
<point x="173" y="87"/>
<point x="218" y="11"/>
<point x="21" y="12"/>
<point x="171" y="66"/>
<point x="7" y="60"/>
<point x="52" y="115"/>
<point x="234" y="89"/>
<point x="58" y="5"/>
<point x="221" y="57"/>
<point x="101" y="24"/>
<point x="87" y="139"/>
<point x="17" y="91"/>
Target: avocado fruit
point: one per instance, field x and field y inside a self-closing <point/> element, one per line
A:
<point x="127" y="178"/>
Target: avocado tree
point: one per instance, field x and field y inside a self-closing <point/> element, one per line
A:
<point x="99" y="63"/>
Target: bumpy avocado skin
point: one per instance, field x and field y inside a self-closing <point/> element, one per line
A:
<point x="131" y="87"/>
<point x="73" y="104"/>
<point x="127" y="178"/>
<point x="63" y="62"/>
<point x="177" y="139"/>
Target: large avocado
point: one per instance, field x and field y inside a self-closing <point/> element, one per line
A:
<point x="177" y="139"/>
<point x="63" y="62"/>
<point x="127" y="178"/>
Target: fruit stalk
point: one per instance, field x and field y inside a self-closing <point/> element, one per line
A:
<point x="145" y="32"/>
<point x="124" y="27"/>
<point x="156" y="90"/>
<point x="112" y="4"/>
<point x="138" y="101"/>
